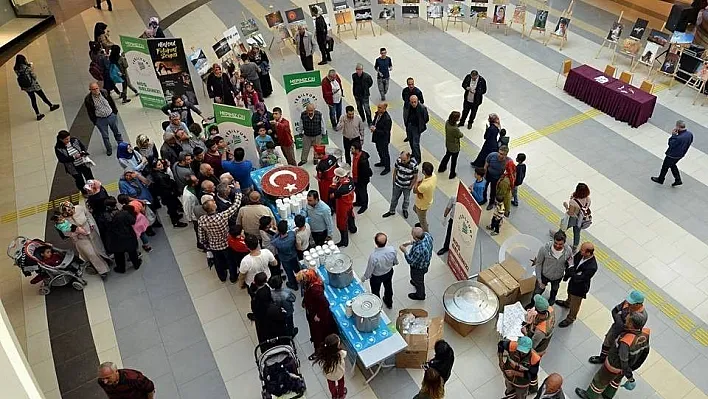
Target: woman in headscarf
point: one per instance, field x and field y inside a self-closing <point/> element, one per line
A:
<point x="506" y="183"/>
<point x="262" y="118"/>
<point x="101" y="35"/>
<point x="148" y="150"/>
<point x="219" y="86"/>
<point x="95" y="195"/>
<point x="89" y="247"/>
<point x="260" y="58"/>
<point x="491" y="138"/>
<point x="319" y="317"/>
<point x="153" y="29"/>
<point x="127" y="158"/>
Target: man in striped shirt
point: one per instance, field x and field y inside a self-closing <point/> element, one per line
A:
<point x="213" y="233"/>
<point x="405" y="175"/>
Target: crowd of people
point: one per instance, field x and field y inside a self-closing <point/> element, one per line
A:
<point x="204" y="183"/>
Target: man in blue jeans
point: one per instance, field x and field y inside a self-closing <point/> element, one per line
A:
<point x="416" y="119"/>
<point x="102" y="111"/>
<point x="284" y="242"/>
<point x="679" y="143"/>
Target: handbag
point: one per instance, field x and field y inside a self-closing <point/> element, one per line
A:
<point x="564" y="222"/>
<point x="150" y="215"/>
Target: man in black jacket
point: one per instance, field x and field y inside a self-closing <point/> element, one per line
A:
<point x="406" y="93"/>
<point x="416" y="120"/>
<point x="70" y="152"/>
<point x="361" y="82"/>
<point x="321" y="35"/>
<point x="579" y="284"/>
<point x="475" y="88"/>
<point x="361" y="174"/>
<point x="103" y="112"/>
<point x="381" y="136"/>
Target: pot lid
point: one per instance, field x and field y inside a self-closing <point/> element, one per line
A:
<point x="338" y="263"/>
<point x="470" y="302"/>
<point x="366" y="305"/>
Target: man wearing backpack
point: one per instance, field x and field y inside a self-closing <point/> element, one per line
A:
<point x="102" y="111"/>
<point x="28" y="83"/>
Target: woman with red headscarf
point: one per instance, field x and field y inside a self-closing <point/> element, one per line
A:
<point x="506" y="183"/>
<point x="319" y="317"/>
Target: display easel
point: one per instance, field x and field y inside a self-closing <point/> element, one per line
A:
<point x="497" y="24"/>
<point x="344" y="26"/>
<point x="542" y="31"/>
<point x="521" y="7"/>
<point x="456" y="19"/>
<point x="695" y="82"/>
<point x="388" y="26"/>
<point x="440" y="18"/>
<point x="568" y="13"/>
<point x="477" y="16"/>
<point x="409" y="17"/>
<point x="282" y="42"/>
<point x="611" y="44"/>
<point x="361" y="24"/>
<point x="656" y="68"/>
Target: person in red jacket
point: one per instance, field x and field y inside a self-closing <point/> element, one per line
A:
<point x="325" y="176"/>
<point x="333" y="94"/>
<point x="343" y="195"/>
<point x="284" y="135"/>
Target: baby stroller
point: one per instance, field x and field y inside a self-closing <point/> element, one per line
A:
<point x="25" y="253"/>
<point x="279" y="369"/>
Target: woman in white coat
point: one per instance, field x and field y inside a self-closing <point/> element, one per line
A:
<point x="90" y="247"/>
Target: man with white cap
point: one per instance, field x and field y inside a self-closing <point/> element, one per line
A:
<point x="633" y="304"/>
<point x="343" y="195"/>
<point x="519" y="366"/>
<point x="214" y="230"/>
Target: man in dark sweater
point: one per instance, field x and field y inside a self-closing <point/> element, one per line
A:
<point x="520" y="176"/>
<point x="321" y="34"/>
<point x="585" y="267"/>
<point x="475" y="87"/>
<point x="381" y="136"/>
<point x="416" y="120"/>
<point x="361" y="83"/>
<point x="679" y="143"/>
<point x="408" y="91"/>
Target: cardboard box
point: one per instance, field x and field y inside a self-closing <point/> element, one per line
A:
<point x="501" y="282"/>
<point x="526" y="284"/>
<point x="461" y="328"/>
<point x="420" y="346"/>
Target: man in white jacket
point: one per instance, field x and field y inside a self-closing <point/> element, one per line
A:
<point x="551" y="262"/>
<point x="189" y="202"/>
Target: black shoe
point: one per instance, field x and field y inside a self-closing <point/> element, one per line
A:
<point x="405" y="140"/>
<point x="311" y="357"/>
<point x="389" y="305"/>
<point x="484" y="201"/>
<point x="461" y="124"/>
<point x="452" y="176"/>
<point x="342" y="245"/>
<point x="150" y="232"/>
<point x="40" y="117"/>
<point x="362" y="210"/>
<point x="441" y="170"/>
<point x="379" y="164"/>
<point x="596" y="359"/>
<point x="179" y="224"/>
<point x="514" y="203"/>
<point x="97" y="7"/>
<point x="385" y="172"/>
<point x="565" y="323"/>
<point x="442" y="251"/>
<point x="657" y="180"/>
<point x="53" y="107"/>
<point x="563" y="304"/>
<point x="581" y="393"/>
<point x="387" y="214"/>
<point x="323" y="62"/>
<point x="251" y="317"/>
<point x="356" y="204"/>
<point x="109" y="152"/>
<point x="110" y="8"/>
<point x="295" y="331"/>
<point x="117" y="270"/>
<point x="140" y="263"/>
<point x="676" y="183"/>
<point x="301" y="163"/>
<point x="469" y="126"/>
<point x="405" y="214"/>
<point x="416" y="297"/>
<point x="490" y="206"/>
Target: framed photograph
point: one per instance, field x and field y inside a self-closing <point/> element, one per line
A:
<point x="411" y="1"/>
<point x="295" y="15"/>
<point x="321" y="8"/>
<point x="479" y="10"/>
<point x="519" y="14"/>
<point x="339" y="5"/>
<point x="221" y="48"/>
<point x="435" y="10"/>
<point x="670" y="63"/>
<point x="363" y="14"/>
<point x="638" y="29"/>
<point x="387" y="13"/>
<point x="499" y="14"/>
<point x="658" y="37"/>
<point x="631" y="46"/>
<point x="540" y="21"/>
<point x="255" y="39"/>
<point x="362" y="3"/>
<point x="682" y="38"/>
<point x="343" y="17"/>
<point x="456" y="10"/>
<point x="410" y="11"/>
<point x="274" y="19"/>
<point x="651" y="50"/>
<point x="615" y="32"/>
<point x="249" y="27"/>
<point x="387" y="2"/>
<point x="703" y="71"/>
<point x="561" y="26"/>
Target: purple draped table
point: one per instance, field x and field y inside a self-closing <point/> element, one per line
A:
<point x="620" y="100"/>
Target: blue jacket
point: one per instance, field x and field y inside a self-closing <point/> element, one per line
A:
<point x="679" y="144"/>
<point x="134" y="188"/>
<point x="478" y="190"/>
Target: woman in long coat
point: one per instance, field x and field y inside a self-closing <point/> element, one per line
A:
<point x="491" y="137"/>
<point x="319" y="317"/>
<point x="259" y="57"/>
<point x="89" y="247"/>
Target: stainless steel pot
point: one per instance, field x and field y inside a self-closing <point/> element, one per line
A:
<point x="367" y="312"/>
<point x="339" y="270"/>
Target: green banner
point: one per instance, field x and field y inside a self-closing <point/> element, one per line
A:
<point x="304" y="88"/>
<point x="141" y="72"/>
<point x="235" y="127"/>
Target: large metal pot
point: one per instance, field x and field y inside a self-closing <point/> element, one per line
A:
<point x="367" y="312"/>
<point x="339" y="270"/>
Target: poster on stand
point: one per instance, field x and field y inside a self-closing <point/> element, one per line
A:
<point x="651" y="50"/>
<point x="141" y="71"/>
<point x="235" y="127"/>
<point x="479" y="9"/>
<point x="274" y="19"/>
<point x="170" y="64"/>
<point x="638" y="29"/>
<point x="302" y="89"/>
<point x="221" y="48"/>
<point x="465" y="226"/>
<point x="200" y="62"/>
<point x="320" y="8"/>
<point x="519" y="16"/>
<point x="539" y="22"/>
<point x="410" y="11"/>
<point x="234" y="39"/>
<point x="615" y="32"/>
<point x="387" y="13"/>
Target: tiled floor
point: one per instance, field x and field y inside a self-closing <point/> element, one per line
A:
<point x="176" y="322"/>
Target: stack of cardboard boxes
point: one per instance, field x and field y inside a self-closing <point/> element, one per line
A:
<point x="509" y="280"/>
<point x="420" y="346"/>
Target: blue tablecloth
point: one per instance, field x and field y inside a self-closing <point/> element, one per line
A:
<point x="257" y="176"/>
<point x="337" y="298"/>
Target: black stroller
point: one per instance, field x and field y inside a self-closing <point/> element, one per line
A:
<point x="279" y="369"/>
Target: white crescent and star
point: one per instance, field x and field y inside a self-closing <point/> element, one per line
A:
<point x="290" y="186"/>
